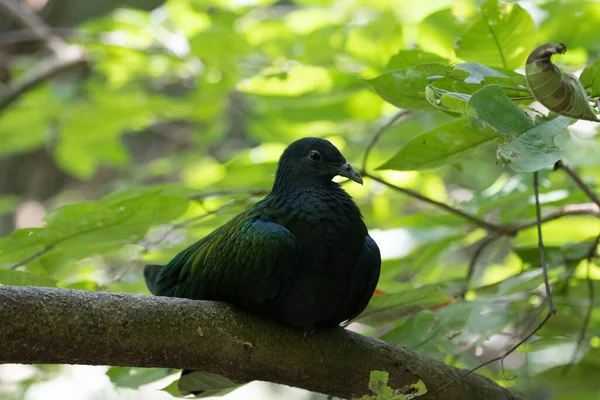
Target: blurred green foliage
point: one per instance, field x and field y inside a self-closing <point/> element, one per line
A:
<point x="181" y="118"/>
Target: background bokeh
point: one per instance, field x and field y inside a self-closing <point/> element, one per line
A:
<point x="172" y="116"/>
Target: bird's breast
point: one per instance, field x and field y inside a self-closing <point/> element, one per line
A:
<point x="328" y="225"/>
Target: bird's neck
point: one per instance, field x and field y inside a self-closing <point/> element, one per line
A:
<point x="289" y="183"/>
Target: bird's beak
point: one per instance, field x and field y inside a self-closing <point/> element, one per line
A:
<point x="347" y="171"/>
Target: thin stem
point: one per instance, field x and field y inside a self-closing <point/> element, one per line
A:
<point x="571" y="210"/>
<point x="508" y="231"/>
<point x="588" y="315"/>
<point x="499" y="358"/>
<point x="538" y="212"/>
<point x="397" y="116"/>
<point x="190" y="221"/>
<point x="493" y="34"/>
<point x="551" y="308"/>
<point x="483" y="244"/>
<point x="578" y="181"/>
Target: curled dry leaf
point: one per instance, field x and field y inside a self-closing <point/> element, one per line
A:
<point x="560" y="92"/>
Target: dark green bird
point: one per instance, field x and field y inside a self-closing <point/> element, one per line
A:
<point x="301" y="256"/>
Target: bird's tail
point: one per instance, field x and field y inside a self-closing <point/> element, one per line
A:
<point x="150" y="274"/>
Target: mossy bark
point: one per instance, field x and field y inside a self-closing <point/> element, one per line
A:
<point x="58" y="326"/>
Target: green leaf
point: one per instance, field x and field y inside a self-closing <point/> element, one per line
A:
<point x="498" y="38"/>
<point x="534" y="149"/>
<point x="450" y="102"/>
<point x="497" y="110"/>
<point x="405" y="88"/>
<point x="411" y="58"/>
<point x="572" y="22"/>
<point x="20" y="244"/>
<point x="8" y="204"/>
<point x="26" y="125"/>
<point x="418" y="328"/>
<point x="300" y="80"/>
<point x="135" y="377"/>
<point x="438" y="31"/>
<point x="204" y="384"/>
<point x="416" y="390"/>
<point x="78" y="230"/>
<point x="375" y="41"/>
<point x="512" y="83"/>
<point x="10" y="277"/>
<point x="404" y="302"/>
<point x="378" y="384"/>
<point x="559" y="92"/>
<point x="590" y="78"/>
<point x="437" y="146"/>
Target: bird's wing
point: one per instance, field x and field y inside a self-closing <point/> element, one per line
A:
<point x="370" y="261"/>
<point x="247" y="261"/>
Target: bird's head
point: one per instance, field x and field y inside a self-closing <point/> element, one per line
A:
<point x="316" y="160"/>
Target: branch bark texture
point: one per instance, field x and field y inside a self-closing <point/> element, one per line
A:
<point x="59" y="326"/>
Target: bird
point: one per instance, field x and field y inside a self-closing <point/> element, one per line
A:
<point x="302" y="256"/>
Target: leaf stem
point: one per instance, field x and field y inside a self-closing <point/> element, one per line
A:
<point x="538" y="209"/>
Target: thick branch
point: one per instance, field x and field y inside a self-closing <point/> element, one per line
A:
<point x="43" y="325"/>
<point x="46" y="69"/>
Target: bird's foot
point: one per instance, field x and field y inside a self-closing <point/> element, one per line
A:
<point x="309" y="330"/>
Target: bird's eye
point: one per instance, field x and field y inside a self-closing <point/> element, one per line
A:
<point x="315" y="156"/>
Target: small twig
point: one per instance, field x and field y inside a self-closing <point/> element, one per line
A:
<point x="588" y="315"/>
<point x="483" y="244"/>
<point x="551" y="308"/>
<point x="538" y="212"/>
<point x="397" y="116"/>
<point x="578" y="181"/>
<point x="190" y="221"/>
<point x="499" y="358"/>
<point x="570" y="210"/>
<point x="492" y="227"/>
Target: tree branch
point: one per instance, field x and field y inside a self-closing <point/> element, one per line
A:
<point x="47" y="68"/>
<point x="578" y="181"/>
<point x="31" y="21"/>
<point x="48" y="326"/>
<point x="63" y="57"/>
<point x="490" y="226"/>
